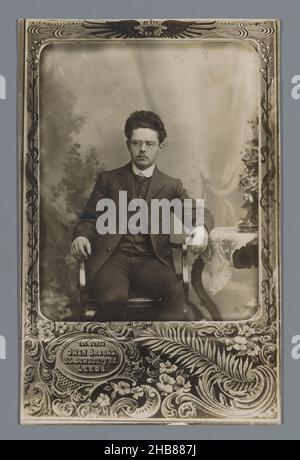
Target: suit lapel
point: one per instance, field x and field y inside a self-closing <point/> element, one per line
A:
<point x="126" y="179"/>
<point x="156" y="184"/>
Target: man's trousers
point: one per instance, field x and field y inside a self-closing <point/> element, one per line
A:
<point x="115" y="280"/>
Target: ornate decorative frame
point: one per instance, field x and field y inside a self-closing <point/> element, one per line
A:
<point x="194" y="372"/>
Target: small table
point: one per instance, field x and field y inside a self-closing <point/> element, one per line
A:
<point x="227" y="249"/>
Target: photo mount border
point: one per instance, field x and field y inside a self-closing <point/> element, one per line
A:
<point x="227" y="385"/>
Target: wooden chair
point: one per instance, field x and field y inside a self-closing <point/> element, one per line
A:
<point x="141" y="308"/>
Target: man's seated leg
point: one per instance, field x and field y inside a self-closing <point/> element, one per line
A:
<point x="160" y="283"/>
<point x="110" y="288"/>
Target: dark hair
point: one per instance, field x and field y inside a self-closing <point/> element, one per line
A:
<point x="145" y="119"/>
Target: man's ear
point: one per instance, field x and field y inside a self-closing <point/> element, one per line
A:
<point x="162" y="145"/>
<point x="127" y="143"/>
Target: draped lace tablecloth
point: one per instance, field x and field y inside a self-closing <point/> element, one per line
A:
<point x="223" y="242"/>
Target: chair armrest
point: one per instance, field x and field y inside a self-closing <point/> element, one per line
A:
<point x="185" y="268"/>
<point x="82" y="276"/>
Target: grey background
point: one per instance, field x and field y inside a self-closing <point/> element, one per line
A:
<point x="289" y="13"/>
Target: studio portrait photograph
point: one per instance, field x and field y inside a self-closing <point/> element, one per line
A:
<point x="192" y="110"/>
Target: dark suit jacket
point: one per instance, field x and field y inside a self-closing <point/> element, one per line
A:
<point x="108" y="185"/>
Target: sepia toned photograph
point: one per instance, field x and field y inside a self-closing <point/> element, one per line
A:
<point x="210" y="112"/>
<point x="149" y="154"/>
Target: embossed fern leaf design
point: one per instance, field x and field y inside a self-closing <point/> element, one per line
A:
<point x="199" y="356"/>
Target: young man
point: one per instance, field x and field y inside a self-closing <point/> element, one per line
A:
<point x="116" y="261"/>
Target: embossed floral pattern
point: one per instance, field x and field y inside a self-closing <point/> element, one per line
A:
<point x="103" y="400"/>
<point x="121" y="388"/>
<point x="46" y="330"/>
<point x="167" y="367"/>
<point x="165" y="384"/>
<point x="182" y="386"/>
<point x="137" y="392"/>
<point x="248" y="341"/>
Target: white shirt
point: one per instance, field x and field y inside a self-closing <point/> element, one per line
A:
<point x="146" y="172"/>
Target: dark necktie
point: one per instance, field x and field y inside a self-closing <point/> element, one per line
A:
<point x="140" y="178"/>
<point x="142" y="183"/>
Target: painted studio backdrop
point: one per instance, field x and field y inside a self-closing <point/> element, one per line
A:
<point x="206" y="93"/>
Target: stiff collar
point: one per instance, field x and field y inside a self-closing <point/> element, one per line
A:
<point x="148" y="172"/>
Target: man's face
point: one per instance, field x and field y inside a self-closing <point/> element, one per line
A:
<point x="144" y="147"/>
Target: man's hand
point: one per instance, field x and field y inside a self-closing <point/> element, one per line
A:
<point x="81" y="248"/>
<point x="198" y="239"/>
